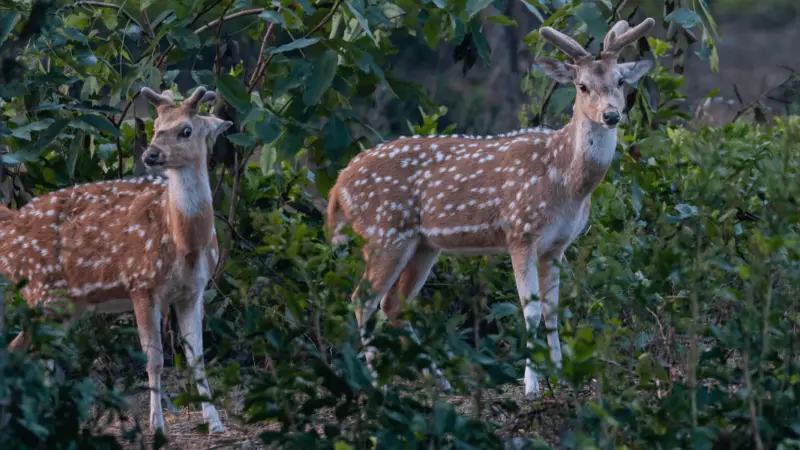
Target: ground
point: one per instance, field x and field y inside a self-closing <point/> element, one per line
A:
<point x="545" y="418"/>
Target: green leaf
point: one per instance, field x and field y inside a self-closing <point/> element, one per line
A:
<point x="475" y="6"/>
<point x="242" y="139"/>
<point x="322" y="73"/>
<point x="430" y="31"/>
<point x="684" y="17"/>
<point x="203" y="77"/>
<point x="294" y="45"/>
<point x="503" y="20"/>
<point x="74" y="150"/>
<point x="51" y="133"/>
<point x="337" y="137"/>
<point x="234" y="92"/>
<point x="589" y="14"/>
<point x="24" y="132"/>
<point x="482" y="45"/>
<point x="184" y="38"/>
<point x="100" y="123"/>
<point x="268" y="158"/>
<point x="268" y="128"/>
<point x="271" y="16"/>
<point x="7" y="23"/>
<point x="501" y="310"/>
<point x="357" y="8"/>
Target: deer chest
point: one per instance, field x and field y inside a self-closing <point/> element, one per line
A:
<point x="563" y="227"/>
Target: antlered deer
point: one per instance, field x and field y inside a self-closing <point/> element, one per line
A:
<point x="527" y="193"/>
<point x="137" y="244"/>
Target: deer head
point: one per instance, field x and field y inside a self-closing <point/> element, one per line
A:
<point x="180" y="134"/>
<point x="598" y="83"/>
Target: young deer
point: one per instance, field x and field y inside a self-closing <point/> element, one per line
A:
<point x="527" y="193"/>
<point x="136" y="244"/>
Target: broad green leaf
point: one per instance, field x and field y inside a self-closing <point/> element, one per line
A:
<point x="242" y="139"/>
<point x="271" y="16"/>
<point x="430" y="31"/>
<point x="203" y="77"/>
<point x="501" y="310"/>
<point x="268" y="158"/>
<point x="357" y="8"/>
<point x="475" y="6"/>
<point x="184" y="38"/>
<point x="74" y="150"/>
<point x="51" y="133"/>
<point x="337" y="137"/>
<point x="7" y="23"/>
<point x="503" y="20"/>
<point x="322" y="73"/>
<point x="684" y="17"/>
<point x="589" y="14"/>
<point x="234" y="92"/>
<point x="268" y="128"/>
<point x="100" y="123"/>
<point x="482" y="45"/>
<point x="24" y="132"/>
<point x="294" y="45"/>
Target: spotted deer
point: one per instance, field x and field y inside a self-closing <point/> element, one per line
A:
<point x="139" y="244"/>
<point x="527" y="193"/>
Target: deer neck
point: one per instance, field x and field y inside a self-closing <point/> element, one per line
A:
<point x="593" y="147"/>
<point x="190" y="214"/>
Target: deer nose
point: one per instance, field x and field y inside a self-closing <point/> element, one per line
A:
<point x="152" y="157"/>
<point x="611" y="117"/>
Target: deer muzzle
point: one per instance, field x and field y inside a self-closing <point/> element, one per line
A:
<point x="153" y="157"/>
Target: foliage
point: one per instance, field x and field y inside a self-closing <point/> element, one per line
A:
<point x="679" y="311"/>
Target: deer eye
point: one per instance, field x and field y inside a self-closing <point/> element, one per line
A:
<point x="185" y="132"/>
<point x="583" y="88"/>
<point x="621" y="81"/>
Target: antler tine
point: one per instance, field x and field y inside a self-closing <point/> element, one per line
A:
<point x="193" y="102"/>
<point x="564" y="43"/>
<point x="621" y="36"/>
<point x="159" y="100"/>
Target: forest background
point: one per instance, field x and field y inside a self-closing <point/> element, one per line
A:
<point x="679" y="304"/>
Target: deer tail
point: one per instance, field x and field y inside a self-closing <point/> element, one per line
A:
<point x="335" y="223"/>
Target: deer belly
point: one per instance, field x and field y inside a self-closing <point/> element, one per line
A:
<point x="113" y="306"/>
<point x="465" y="239"/>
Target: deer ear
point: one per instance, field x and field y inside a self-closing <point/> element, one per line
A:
<point x="632" y="72"/>
<point x="216" y="127"/>
<point x="557" y="70"/>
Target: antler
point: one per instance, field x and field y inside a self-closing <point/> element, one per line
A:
<point x="199" y="96"/>
<point x="564" y="43"/>
<point x="621" y="35"/>
<point x="165" y="98"/>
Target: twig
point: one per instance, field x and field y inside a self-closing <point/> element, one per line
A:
<point x="254" y="77"/>
<point x="236" y="15"/>
<point x="231" y="216"/>
<point x="325" y="19"/>
<point x="751" y="104"/>
<point x="218" y="56"/>
<point x="261" y="65"/>
<point x="750" y="402"/>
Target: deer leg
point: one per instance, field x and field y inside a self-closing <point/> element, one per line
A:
<point x="408" y="285"/>
<point x="526" y="275"/>
<point x="549" y="279"/>
<point x="190" y="319"/>
<point x="148" y="320"/>
<point x="384" y="266"/>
